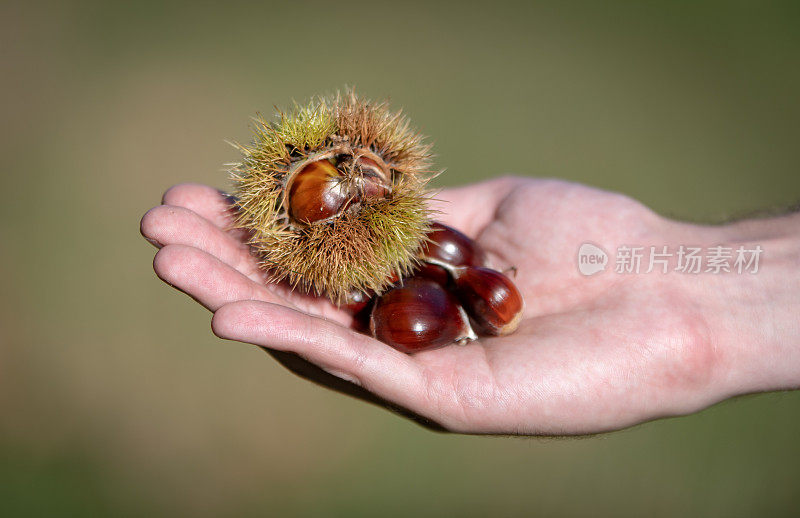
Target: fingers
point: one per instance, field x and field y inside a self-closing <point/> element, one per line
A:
<point x="206" y="279"/>
<point x="172" y="225"/>
<point x="380" y="369"/>
<point x="457" y="206"/>
<point x="181" y="224"/>
<point x="203" y="200"/>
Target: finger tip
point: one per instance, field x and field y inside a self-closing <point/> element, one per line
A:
<point x="148" y="226"/>
<point x="168" y="259"/>
<point x="220" y="323"/>
<point x="160" y="261"/>
<point x="184" y="193"/>
<point x="177" y="193"/>
<point x="229" y="320"/>
<point x="157" y="222"/>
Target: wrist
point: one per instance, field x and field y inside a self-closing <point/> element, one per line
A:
<point x="753" y="314"/>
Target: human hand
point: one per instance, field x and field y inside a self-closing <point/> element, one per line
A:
<point x="592" y="353"/>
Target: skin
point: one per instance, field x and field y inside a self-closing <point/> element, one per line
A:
<point x="592" y="354"/>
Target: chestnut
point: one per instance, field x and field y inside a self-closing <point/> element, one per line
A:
<point x="490" y="298"/>
<point x="317" y="192"/>
<point x="419" y="315"/>
<point x="371" y="187"/>
<point x="433" y="272"/>
<point x="356" y="301"/>
<point x="359" y="304"/>
<point x="450" y="246"/>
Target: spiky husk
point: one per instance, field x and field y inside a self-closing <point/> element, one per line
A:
<point x="359" y="250"/>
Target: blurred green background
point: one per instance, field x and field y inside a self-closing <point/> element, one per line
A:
<point x="115" y="398"/>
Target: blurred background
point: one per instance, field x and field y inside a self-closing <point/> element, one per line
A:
<point x="115" y="398"/>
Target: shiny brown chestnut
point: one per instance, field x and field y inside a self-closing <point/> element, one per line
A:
<point x="432" y="272"/>
<point x="359" y="305"/>
<point x="356" y="301"/>
<point x="317" y="192"/>
<point x="450" y="246"/>
<point x="490" y="298"/>
<point x="417" y="316"/>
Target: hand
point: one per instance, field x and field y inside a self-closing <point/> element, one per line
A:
<point x="592" y="354"/>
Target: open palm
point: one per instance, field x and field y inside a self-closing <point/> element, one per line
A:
<point x="591" y="354"/>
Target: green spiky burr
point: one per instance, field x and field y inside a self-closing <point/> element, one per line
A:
<point x="333" y="195"/>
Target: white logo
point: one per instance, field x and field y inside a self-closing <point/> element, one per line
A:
<point x="591" y="259"/>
